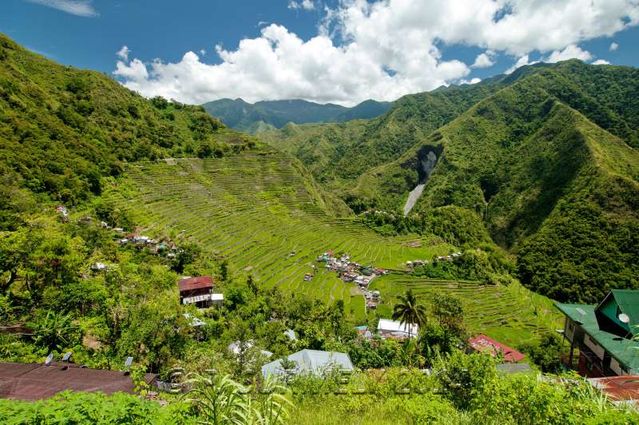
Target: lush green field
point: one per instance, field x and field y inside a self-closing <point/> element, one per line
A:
<point x="261" y="214"/>
<point x="512" y="314"/>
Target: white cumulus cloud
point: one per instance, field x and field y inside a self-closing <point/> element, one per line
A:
<point x="569" y="52"/>
<point x="601" y="62"/>
<point x="123" y="53"/>
<point x="484" y="60"/>
<point x="613" y="46"/>
<point x="304" y="4"/>
<point x="382" y="49"/>
<point x="75" y="7"/>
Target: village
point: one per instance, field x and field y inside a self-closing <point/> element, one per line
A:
<point x="600" y="337"/>
<point x="350" y="271"/>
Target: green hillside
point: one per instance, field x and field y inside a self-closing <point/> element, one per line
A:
<point x="62" y="129"/>
<point x="264" y="115"/>
<point x="547" y="182"/>
<point x="337" y="154"/>
<point x="258" y="212"/>
<point x="170" y="171"/>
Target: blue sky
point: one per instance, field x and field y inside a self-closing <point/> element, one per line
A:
<point x="324" y="51"/>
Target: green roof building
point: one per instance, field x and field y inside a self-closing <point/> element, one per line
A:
<point x="604" y="334"/>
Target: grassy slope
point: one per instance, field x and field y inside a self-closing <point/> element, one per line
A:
<point x="261" y="214"/>
<point x="511" y="314"/>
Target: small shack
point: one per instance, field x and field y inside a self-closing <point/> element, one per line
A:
<point x="199" y="291"/>
<point x="484" y="344"/>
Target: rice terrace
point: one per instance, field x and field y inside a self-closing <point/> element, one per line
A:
<point x="260" y="213"/>
<point x="319" y="212"/>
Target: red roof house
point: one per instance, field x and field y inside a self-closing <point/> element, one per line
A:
<point x="484" y="344"/>
<point x="198" y="290"/>
<point x="195" y="283"/>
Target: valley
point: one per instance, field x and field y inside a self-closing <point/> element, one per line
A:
<point x="411" y="260"/>
<point x="261" y="214"/>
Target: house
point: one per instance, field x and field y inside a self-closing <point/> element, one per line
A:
<point x="198" y="291"/>
<point x="603" y="334"/>
<point x="310" y="362"/>
<point x="394" y="329"/>
<point x="484" y="344"/>
<point x="31" y="381"/>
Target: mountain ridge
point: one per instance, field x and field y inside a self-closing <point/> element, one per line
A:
<point x="255" y="117"/>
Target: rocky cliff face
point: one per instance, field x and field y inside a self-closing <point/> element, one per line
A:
<point x="427" y="164"/>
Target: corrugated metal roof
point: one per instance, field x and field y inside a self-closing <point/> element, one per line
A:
<point x="624" y="350"/>
<point x="618" y="388"/>
<point x="311" y="362"/>
<point x="36" y="381"/>
<point x="199" y="282"/>
<point x="485" y="344"/>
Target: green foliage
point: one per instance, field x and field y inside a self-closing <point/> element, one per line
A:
<point x="93" y="408"/>
<point x="55" y="331"/>
<point x="547" y="353"/>
<point x="465" y="377"/>
<point x="547" y="183"/>
<point x="63" y="130"/>
<point x="337" y="154"/>
<point x="488" y="267"/>
<point x="221" y="401"/>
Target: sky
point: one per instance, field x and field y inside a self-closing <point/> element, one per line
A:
<point x="338" y="51"/>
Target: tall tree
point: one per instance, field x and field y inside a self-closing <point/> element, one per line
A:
<point x="409" y="311"/>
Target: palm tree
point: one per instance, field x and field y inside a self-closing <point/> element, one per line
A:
<point x="409" y="311"/>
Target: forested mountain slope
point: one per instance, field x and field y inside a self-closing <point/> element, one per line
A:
<point x="337" y="154"/>
<point x="546" y="181"/>
<point x="256" y="117"/>
<point x="63" y="129"/>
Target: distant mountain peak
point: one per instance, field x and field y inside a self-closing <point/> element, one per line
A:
<point x="254" y="117"/>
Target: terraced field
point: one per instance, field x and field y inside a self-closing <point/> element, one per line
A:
<point x="511" y="313"/>
<point x="259" y="212"/>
